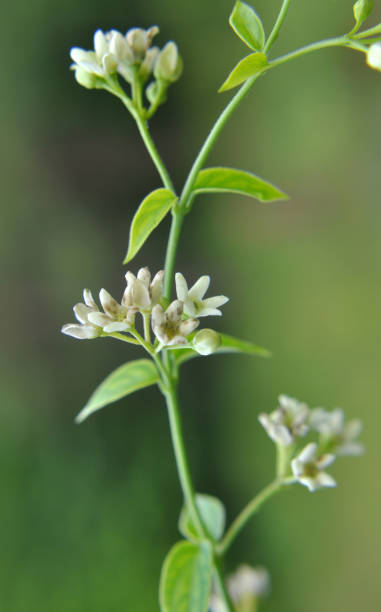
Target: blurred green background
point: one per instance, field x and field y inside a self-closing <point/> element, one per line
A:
<point x="88" y="513"/>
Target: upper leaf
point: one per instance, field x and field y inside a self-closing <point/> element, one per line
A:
<point x="361" y="11"/>
<point x="213" y="516"/>
<point x="248" y="26"/>
<point x="229" y="344"/>
<point x="185" y="579"/>
<point x="124" y="380"/>
<point x="237" y="181"/>
<point x="148" y="216"/>
<point x="250" y="65"/>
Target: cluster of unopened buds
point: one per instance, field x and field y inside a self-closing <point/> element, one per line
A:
<point x="294" y="420"/>
<point x="172" y="323"/>
<point x="132" y="57"/>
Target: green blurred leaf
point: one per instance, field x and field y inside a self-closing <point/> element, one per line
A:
<point x="361" y="11"/>
<point x="248" y="26"/>
<point x="126" y="379"/>
<point x="229" y="180"/>
<point x="246" y="68"/>
<point x="185" y="580"/>
<point x="213" y="517"/>
<point x="229" y="344"/>
<point x="148" y="216"/>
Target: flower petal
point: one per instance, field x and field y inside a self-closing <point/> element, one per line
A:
<point x="200" y="288"/>
<point x="81" y="312"/>
<point x="181" y="287"/>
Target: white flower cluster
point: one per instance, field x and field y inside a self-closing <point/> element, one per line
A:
<point x="171" y="324"/>
<point x="130" y="55"/>
<point x="245" y="586"/>
<point x="293" y="420"/>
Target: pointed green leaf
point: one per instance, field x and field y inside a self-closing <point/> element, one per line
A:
<point x="248" y="26"/>
<point x="361" y="11"/>
<point x="213" y="517"/>
<point x="229" y="344"/>
<point x="185" y="579"/>
<point x="246" y="68"/>
<point x="237" y="181"/>
<point x="126" y="379"/>
<point x="148" y="216"/>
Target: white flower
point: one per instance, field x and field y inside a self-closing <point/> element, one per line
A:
<point x="248" y="582"/>
<point x="116" y="317"/>
<point x="216" y="604"/>
<point x="307" y="468"/>
<point x="339" y="436"/>
<point x="100" y="62"/>
<point x="86" y="330"/>
<point x="287" y="422"/>
<point x="168" y="326"/>
<point x="373" y="56"/>
<point x="142" y="294"/>
<point x="194" y="305"/>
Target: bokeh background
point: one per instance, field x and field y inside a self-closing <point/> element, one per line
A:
<point x="88" y="513"/>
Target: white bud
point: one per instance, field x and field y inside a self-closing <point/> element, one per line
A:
<point x="100" y="44"/>
<point x="206" y="341"/>
<point x="373" y="56"/>
<point x="169" y="64"/>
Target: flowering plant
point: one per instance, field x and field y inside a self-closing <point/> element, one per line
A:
<point x="148" y="315"/>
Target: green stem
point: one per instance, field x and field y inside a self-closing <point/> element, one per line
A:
<point x="170" y="257"/>
<point x="222" y="587"/>
<point x="146" y="323"/>
<point x="181" y="459"/>
<point x="151" y="147"/>
<point x="365" y="33"/>
<point x="246" y="514"/>
<point x="340" y="41"/>
<point x="278" y="24"/>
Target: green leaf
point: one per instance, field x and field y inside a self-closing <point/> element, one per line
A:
<point x="246" y="68"/>
<point x="361" y="11"/>
<point x="213" y="517"/>
<point x="248" y="26"/>
<point x="229" y="344"/>
<point x="148" y="216"/>
<point x="185" y="579"/>
<point x="218" y="180"/>
<point x="126" y="379"/>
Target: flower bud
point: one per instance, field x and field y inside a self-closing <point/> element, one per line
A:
<point x="169" y="64"/>
<point x="373" y="56"/>
<point x="84" y="78"/>
<point x="148" y="63"/>
<point x="118" y="46"/>
<point x="206" y="341"/>
<point x="138" y="42"/>
<point x="362" y="9"/>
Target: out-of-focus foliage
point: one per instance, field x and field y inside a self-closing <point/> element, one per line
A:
<point x="88" y="513"/>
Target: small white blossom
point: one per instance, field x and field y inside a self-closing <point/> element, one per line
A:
<point x="169" y="327"/>
<point x="194" y="304"/>
<point x="86" y="330"/>
<point x="287" y="422"/>
<point x="339" y="436"/>
<point x="373" y="57"/>
<point x="216" y="604"/>
<point x="248" y="582"/>
<point x="308" y="468"/>
<point x="99" y="62"/>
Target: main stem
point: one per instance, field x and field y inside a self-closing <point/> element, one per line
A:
<point x="181" y="458"/>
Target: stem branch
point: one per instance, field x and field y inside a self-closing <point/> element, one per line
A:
<point x="252" y="507"/>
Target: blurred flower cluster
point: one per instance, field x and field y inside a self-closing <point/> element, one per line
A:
<point x="132" y="57"/>
<point x="245" y="587"/>
<point x="293" y="420"/>
<point x="171" y="323"/>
